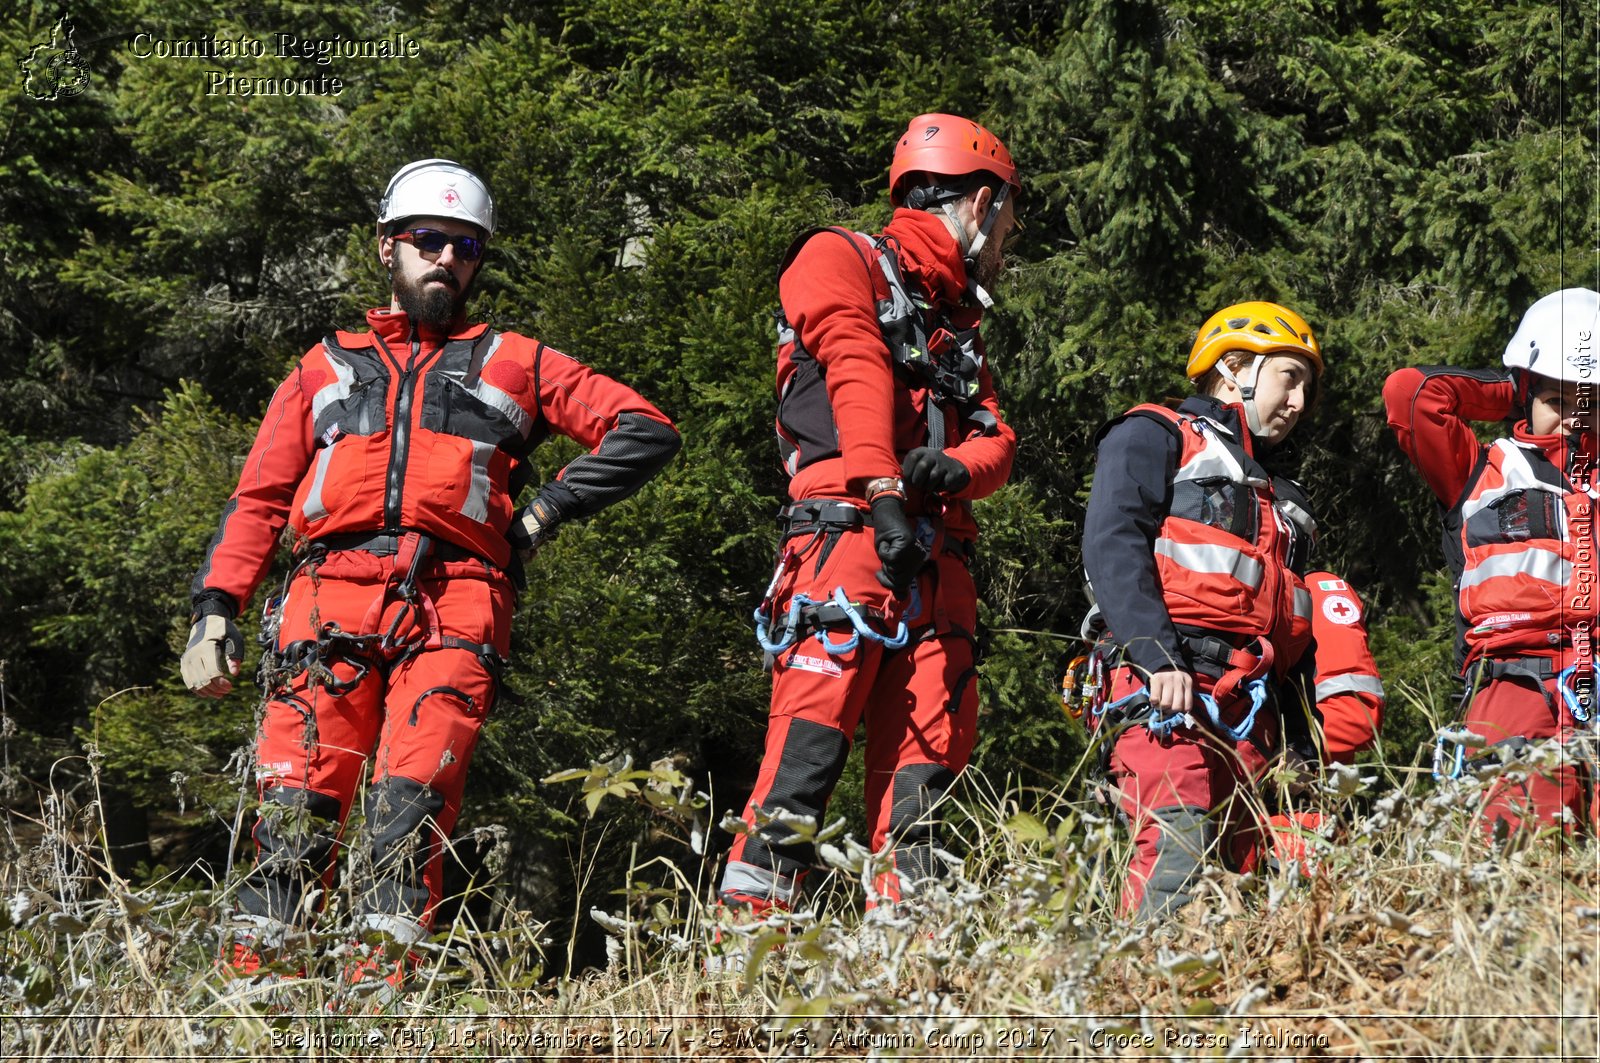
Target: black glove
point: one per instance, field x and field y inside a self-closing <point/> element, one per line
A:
<point x="896" y="541"/>
<point x="215" y="649"/>
<point x="533" y="527"/>
<point x="935" y="471"/>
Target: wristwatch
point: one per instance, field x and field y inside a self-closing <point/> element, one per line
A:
<point x="886" y="485"/>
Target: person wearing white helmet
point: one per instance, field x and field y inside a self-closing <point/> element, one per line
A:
<point x="395" y="456"/>
<point x="460" y="212"/>
<point x="1520" y="537"/>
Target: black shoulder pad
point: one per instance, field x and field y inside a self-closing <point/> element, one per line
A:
<point x="800" y="241"/>
<point x="1137" y="411"/>
<point x="1488" y="376"/>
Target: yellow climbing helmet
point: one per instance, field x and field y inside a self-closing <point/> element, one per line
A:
<point x="1261" y="328"/>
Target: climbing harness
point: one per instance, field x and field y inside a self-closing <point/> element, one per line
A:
<point x="1126" y="710"/>
<point x="378" y="650"/>
<point x="824" y="521"/>
<point x="1108" y="720"/>
<point x="806" y="614"/>
<point x="1574" y="687"/>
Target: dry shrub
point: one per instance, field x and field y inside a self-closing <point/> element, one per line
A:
<point x="1408" y="937"/>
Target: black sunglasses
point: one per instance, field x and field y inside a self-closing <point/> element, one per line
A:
<point x="433" y="241"/>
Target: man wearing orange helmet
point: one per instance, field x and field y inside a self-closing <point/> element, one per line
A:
<point x="889" y="428"/>
<point x="1195" y="556"/>
<point x="395" y="456"/>
<point x="1519" y="518"/>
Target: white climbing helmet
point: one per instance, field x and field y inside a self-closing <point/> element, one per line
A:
<point x="1557" y="337"/>
<point x="436" y="188"/>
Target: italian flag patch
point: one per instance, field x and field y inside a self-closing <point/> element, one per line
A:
<point x="1331" y="585"/>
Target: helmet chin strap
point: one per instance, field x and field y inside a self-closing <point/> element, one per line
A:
<point x="1247" y="393"/>
<point x="972" y="246"/>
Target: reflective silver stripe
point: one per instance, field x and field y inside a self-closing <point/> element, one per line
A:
<point x="493" y="396"/>
<point x="1213" y="560"/>
<point x="740" y="877"/>
<point x="1546" y="565"/>
<point x="1302" y="603"/>
<point x="1215" y="461"/>
<point x="476" y="505"/>
<point x="1516" y="474"/>
<point x="1345" y="684"/>
<point x="1297" y="516"/>
<point x="313" y="507"/>
<point x="344" y="382"/>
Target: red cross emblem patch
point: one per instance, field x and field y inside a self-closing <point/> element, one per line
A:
<point x="1340" y="610"/>
<point x="449" y="197"/>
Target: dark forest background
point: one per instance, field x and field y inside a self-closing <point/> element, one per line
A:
<point x="1409" y="178"/>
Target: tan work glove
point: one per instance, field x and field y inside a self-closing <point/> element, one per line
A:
<point x="533" y="527"/>
<point x="215" y="650"/>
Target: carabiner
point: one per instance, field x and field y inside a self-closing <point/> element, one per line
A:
<point x="859" y="622"/>
<point x="790" y="630"/>
<point x="1247" y="726"/>
<point x="1570" y="696"/>
<point x="1439" y="756"/>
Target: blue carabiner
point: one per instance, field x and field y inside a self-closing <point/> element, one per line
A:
<point x="791" y="627"/>
<point x="1439" y="756"/>
<point x="1570" y="696"/>
<point x="865" y="630"/>
<point x="1258" y="698"/>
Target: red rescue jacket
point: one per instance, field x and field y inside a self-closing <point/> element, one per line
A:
<point x="399" y="430"/>
<point x="848" y="412"/>
<point x="1223" y="551"/>
<point x="1519" y="529"/>
<point x="1528" y="549"/>
<point x="1349" y="693"/>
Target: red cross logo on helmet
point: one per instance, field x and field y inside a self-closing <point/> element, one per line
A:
<point x="449" y="197"/>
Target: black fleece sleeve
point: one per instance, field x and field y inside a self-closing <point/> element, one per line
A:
<point x="1127" y="502"/>
<point x="629" y="455"/>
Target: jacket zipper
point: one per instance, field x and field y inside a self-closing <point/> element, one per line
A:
<point x="402" y="438"/>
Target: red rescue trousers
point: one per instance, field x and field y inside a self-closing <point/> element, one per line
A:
<point x="920" y="705"/>
<point x="406" y="718"/>
<point x="1188" y="797"/>
<point x="1520" y="707"/>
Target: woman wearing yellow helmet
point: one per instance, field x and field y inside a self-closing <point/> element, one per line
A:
<point x="1194" y="554"/>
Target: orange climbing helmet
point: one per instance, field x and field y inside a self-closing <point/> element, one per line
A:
<point x="949" y="145"/>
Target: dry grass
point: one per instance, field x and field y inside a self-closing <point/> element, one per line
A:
<point x="1409" y="940"/>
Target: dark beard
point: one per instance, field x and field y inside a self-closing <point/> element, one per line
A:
<point x="990" y="265"/>
<point x="432" y="308"/>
